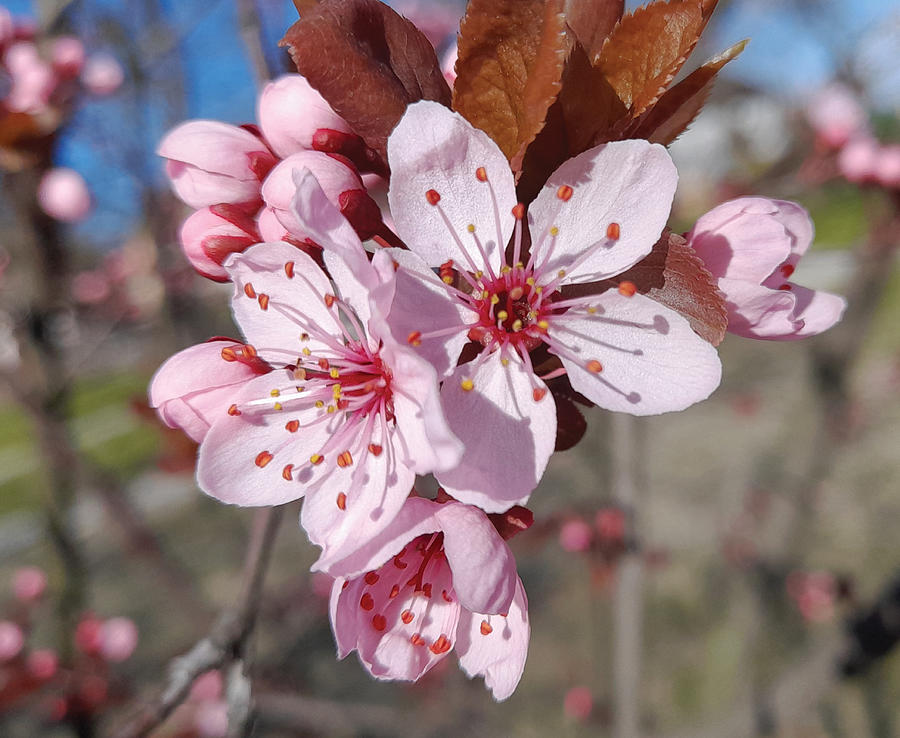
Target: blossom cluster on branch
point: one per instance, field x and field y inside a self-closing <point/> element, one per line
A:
<point x="430" y="281"/>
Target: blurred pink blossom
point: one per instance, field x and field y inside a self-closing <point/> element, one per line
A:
<point x="67" y="56"/>
<point x="91" y="287"/>
<point x="87" y="635"/>
<point x="207" y="686"/>
<point x="118" y="639"/>
<point x="814" y="594"/>
<point x="43" y="663"/>
<point x="575" y="535"/>
<point x="858" y="160"/>
<point x="448" y="64"/>
<point x="32" y="78"/>
<point x="578" y="703"/>
<point x="12" y="639"/>
<point x="836" y="115"/>
<point x="887" y="170"/>
<point x="211" y="719"/>
<point x="63" y="195"/>
<point x="29" y="584"/>
<point x="102" y="74"/>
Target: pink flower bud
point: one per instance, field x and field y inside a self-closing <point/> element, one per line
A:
<point x="20" y="57"/>
<point x="836" y="115"/>
<point x="11" y="640"/>
<point x="610" y="524"/>
<point x="63" y="195"/>
<point x="887" y="170"/>
<point x="290" y="111"/>
<point x="102" y="74"/>
<point x="210" y="235"/>
<point x="67" y="55"/>
<point x="29" y="584"/>
<point x="859" y="159"/>
<point x="87" y="635"/>
<point x="212" y="162"/>
<point x="43" y="664"/>
<point x="279" y="189"/>
<point x="211" y="720"/>
<point x="578" y="704"/>
<point x="575" y="535"/>
<point x="207" y="687"/>
<point x="269" y="227"/>
<point x="118" y="639"/>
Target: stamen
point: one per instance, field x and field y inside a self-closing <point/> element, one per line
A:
<point x="433" y="197"/>
<point x="613" y="231"/>
<point x="414" y="338"/>
<point x="342" y="501"/>
<point x="233" y="410"/>
<point x="564" y="193"/>
<point x="371" y="577"/>
<point x="407" y="617"/>
<point x="289" y="269"/>
<point x="249" y="291"/>
<point x="486" y="628"/>
<point x="467" y="384"/>
<point x="264" y="301"/>
<point x="316" y="459"/>
<point x="441" y="645"/>
<point x="292" y="426"/>
<point x="286" y="472"/>
<point x="481" y="174"/>
<point x="594" y="366"/>
<point x="627" y="289"/>
<point x="379" y="622"/>
<point x="263" y="458"/>
<point x="366" y="602"/>
<point x="345" y="459"/>
<point x="229" y="354"/>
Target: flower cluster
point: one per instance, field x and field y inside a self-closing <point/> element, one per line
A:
<point x="440" y="336"/>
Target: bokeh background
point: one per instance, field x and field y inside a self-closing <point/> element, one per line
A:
<point x="729" y="571"/>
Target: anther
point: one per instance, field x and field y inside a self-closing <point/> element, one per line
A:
<point x="787" y="270"/>
<point x="263" y="301"/>
<point x="486" y="628"/>
<point x="564" y="193"/>
<point x="289" y="269"/>
<point x="627" y="289"/>
<point x="433" y="197"/>
<point x="329" y="300"/>
<point x="263" y="458"/>
<point x="335" y="373"/>
<point x="481" y="174"/>
<point x="502" y="315"/>
<point x="366" y="602"/>
<point x="441" y="645"/>
<point x="395" y="590"/>
<point x="300" y="373"/>
<point x="467" y="384"/>
<point x="316" y="459"/>
<point x="275" y="392"/>
<point x="345" y="459"/>
<point x="249" y="351"/>
<point x="554" y="231"/>
<point x="414" y="338"/>
<point x="229" y="354"/>
<point x="416" y="639"/>
<point x="517" y="325"/>
<point x="407" y="617"/>
<point x="292" y="426"/>
<point x="470" y="228"/>
<point x="594" y="366"/>
<point x="613" y="231"/>
<point x="342" y="501"/>
<point x="447" y="598"/>
<point x="286" y="472"/>
<point x="249" y="291"/>
<point x="324" y="365"/>
<point x="426" y="589"/>
<point x="379" y="622"/>
<point x="518" y="211"/>
<point x="233" y="410"/>
<point x="375" y="449"/>
<point x="371" y="577"/>
<point x="516" y="292"/>
<point x="538" y="393"/>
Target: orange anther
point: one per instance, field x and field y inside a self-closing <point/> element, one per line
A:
<point x="229" y="354"/>
<point x="395" y="590"/>
<point x="329" y="300"/>
<point x="366" y="602"/>
<point x="627" y="289"/>
<point x="426" y="589"/>
<point x="564" y="193"/>
<point x="289" y="269"/>
<point x="264" y="301"/>
<point x="233" y="410"/>
<point x="613" y="231"/>
<point x="481" y="174"/>
<point x="249" y="291"/>
<point x="399" y="563"/>
<point x="407" y="617"/>
<point x="414" y="338"/>
<point x="375" y="449"/>
<point x="316" y="459"/>
<point x="538" y="393"/>
<point x="433" y="197"/>
<point x="324" y="365"/>
<point x="342" y="501"/>
<point x="345" y="459"/>
<point x="379" y="622"/>
<point x="416" y="639"/>
<point x="518" y="211"/>
<point x="486" y="628"/>
<point x="249" y="351"/>
<point x="441" y="645"/>
<point x="292" y="426"/>
<point x="263" y="458"/>
<point x="594" y="366"/>
<point x="286" y="472"/>
<point x="371" y="577"/>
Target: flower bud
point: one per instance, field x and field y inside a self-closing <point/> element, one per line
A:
<point x="578" y="704"/>
<point x="43" y="664"/>
<point x="67" y="55"/>
<point x="29" y="584"/>
<point x="888" y="168"/>
<point x="118" y="639"/>
<point x="87" y="635"/>
<point x="210" y="235"/>
<point x="290" y="111"/>
<point x="212" y="162"/>
<point x="859" y="159"/>
<point x="102" y="74"/>
<point x="575" y="535"/>
<point x="11" y="640"/>
<point x="63" y="195"/>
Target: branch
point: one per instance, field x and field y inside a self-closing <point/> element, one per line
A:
<point x="225" y="641"/>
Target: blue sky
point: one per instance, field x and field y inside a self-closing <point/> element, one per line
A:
<point x="111" y="141"/>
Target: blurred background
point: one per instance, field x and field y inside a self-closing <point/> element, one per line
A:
<point x="732" y="570"/>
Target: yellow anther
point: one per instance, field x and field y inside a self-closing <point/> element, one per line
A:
<point x="275" y="393"/>
<point x="591" y="309"/>
<point x="519" y="265"/>
<point x="447" y="279"/>
<point x="517" y="325"/>
<point x="561" y="273"/>
<point x="335" y="373"/>
<point x="277" y="406"/>
<point x="467" y="384"/>
<point x="505" y="269"/>
<point x="330" y="409"/>
<point x="530" y="281"/>
<point x="554" y="231"/>
<point x="304" y="336"/>
<point x="504" y="361"/>
<point x="538" y="290"/>
<point x="502" y="315"/>
<point x="316" y="459"/>
<point x="306" y="352"/>
<point x="470" y="228"/>
<point x="320" y="404"/>
<point x="494" y="298"/>
<point x="543" y="325"/>
<point x="479" y="274"/>
<point x="336" y="392"/>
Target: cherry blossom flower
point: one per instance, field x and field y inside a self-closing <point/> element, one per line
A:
<point x="752" y="246"/>
<point x="858" y="160"/>
<point x="453" y="201"/>
<point x="64" y="196"/>
<point x="836" y="115"/>
<point x="438" y="578"/>
<point x="102" y="74"/>
<point x="29" y="584"/>
<point x="346" y="418"/>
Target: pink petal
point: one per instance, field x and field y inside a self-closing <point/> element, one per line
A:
<point x="417" y="516"/>
<point x="746" y="239"/>
<point x="496" y="647"/>
<point x="190" y="388"/>
<point x="755" y="311"/>
<point x="433" y="148"/>
<point x="651" y="361"/>
<point x="206" y="232"/>
<point x="507" y="435"/>
<point x="213" y="146"/>
<point x="343" y="619"/>
<point x="629" y="183"/>
<point x="818" y="310"/>
<point x="275" y="304"/>
<point x="199" y="189"/>
<point x="484" y="571"/>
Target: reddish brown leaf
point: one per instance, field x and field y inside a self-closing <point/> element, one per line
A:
<point x="304" y="6"/>
<point x="511" y="57"/>
<point x="592" y="21"/>
<point x="678" y="107"/>
<point x="648" y="47"/>
<point x="675" y="276"/>
<point x="368" y="62"/>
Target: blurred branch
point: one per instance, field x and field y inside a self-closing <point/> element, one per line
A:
<point x="296" y="713"/>
<point x="226" y="640"/>
<point x="251" y="33"/>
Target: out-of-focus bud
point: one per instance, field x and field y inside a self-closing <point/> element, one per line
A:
<point x="610" y="522"/>
<point x="118" y="639"/>
<point x="212" y="162"/>
<point x="42" y="664"/>
<point x="29" y="584"/>
<point x="578" y="704"/>
<point x="12" y="639"/>
<point x="858" y="160"/>
<point x="63" y="195"/>
<point x="102" y="74"/>
<point x="87" y="635"/>
<point x="210" y="235"/>
<point x="93" y="690"/>
<point x="91" y="287"/>
<point x="290" y="111"/>
<point x="211" y="719"/>
<point x="32" y="79"/>
<point x="836" y="115"/>
<point x="67" y="56"/>
<point x="575" y="535"/>
<point x="887" y="170"/>
<point x="334" y="177"/>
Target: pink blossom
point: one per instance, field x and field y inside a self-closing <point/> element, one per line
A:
<point x="575" y="535"/>
<point x="63" y="195"/>
<point x="814" y="594"/>
<point x="67" y="55"/>
<point x="29" y="584"/>
<point x="290" y="112"/>
<point x="7" y="26"/>
<point x="32" y="79"/>
<point x="578" y="703"/>
<point x="91" y="287"/>
<point x="12" y="639"/>
<point x="438" y="578"/>
<point x="43" y="664"/>
<point x="212" y="234"/>
<point x="87" y="635"/>
<point x="189" y="389"/>
<point x="348" y="416"/>
<point x="102" y="74"/>
<point x="453" y="201"/>
<point x="212" y="162"/>
<point x="887" y="170"/>
<point x="836" y="115"/>
<point x="269" y="227"/>
<point x="118" y="639"/>
<point x="858" y="160"/>
<point x="752" y="246"/>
